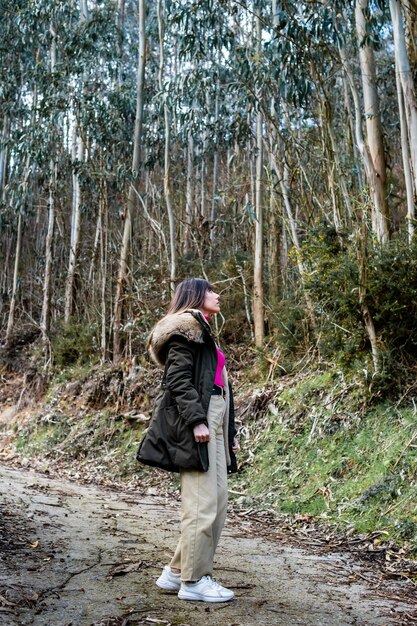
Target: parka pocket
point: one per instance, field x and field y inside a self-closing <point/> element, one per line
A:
<point x="189" y="454"/>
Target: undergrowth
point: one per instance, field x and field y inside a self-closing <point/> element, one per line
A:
<point x="320" y="450"/>
<point x="95" y="439"/>
<point x="313" y="443"/>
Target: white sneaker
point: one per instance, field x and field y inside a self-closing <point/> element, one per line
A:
<point x="206" y="590"/>
<point x="168" y="580"/>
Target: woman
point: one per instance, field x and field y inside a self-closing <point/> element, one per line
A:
<point x="192" y="432"/>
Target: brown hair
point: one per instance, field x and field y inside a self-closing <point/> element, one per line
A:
<point x="189" y="294"/>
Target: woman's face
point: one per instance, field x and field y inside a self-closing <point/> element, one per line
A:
<point x="211" y="303"/>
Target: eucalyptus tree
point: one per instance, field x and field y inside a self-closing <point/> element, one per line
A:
<point x="251" y="129"/>
<point x="407" y="103"/>
<point x="133" y="187"/>
<point x="78" y="155"/>
<point x="46" y="301"/>
<point x="375" y="143"/>
<point x="258" y="261"/>
<point x="21" y="52"/>
<point x="167" y="139"/>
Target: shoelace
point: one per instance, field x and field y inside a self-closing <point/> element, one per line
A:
<point x="213" y="583"/>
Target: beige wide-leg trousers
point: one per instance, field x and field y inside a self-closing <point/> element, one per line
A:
<point x="203" y="504"/>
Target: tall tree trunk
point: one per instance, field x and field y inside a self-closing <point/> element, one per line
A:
<point x="258" y="265"/>
<point x="350" y="121"/>
<point x="274" y="230"/>
<point x="371" y="174"/>
<point x="362" y="293"/>
<point x="25" y="194"/>
<point x="53" y="170"/>
<point x="373" y="123"/>
<point x="103" y="265"/>
<point x="409" y="100"/>
<point x="214" y="197"/>
<point x="10" y="320"/>
<point x="274" y="233"/>
<point x="78" y="154"/>
<point x="167" y="182"/>
<point x="189" y="194"/>
<point x="406" y="158"/>
<point x="47" y="281"/>
<point x="127" y="227"/>
<point x="203" y="204"/>
<point x="4" y="151"/>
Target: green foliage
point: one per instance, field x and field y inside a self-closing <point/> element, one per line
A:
<point x="332" y="280"/>
<point x="74" y="344"/>
<point x="290" y="328"/>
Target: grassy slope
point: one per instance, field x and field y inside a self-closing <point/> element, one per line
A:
<point x="319" y="451"/>
<point x="315" y="450"/>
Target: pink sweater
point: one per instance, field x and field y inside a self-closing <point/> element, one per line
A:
<point x="218" y="379"/>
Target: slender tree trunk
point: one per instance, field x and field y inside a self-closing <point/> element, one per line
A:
<point x="167" y="182"/>
<point x="351" y="125"/>
<point x="258" y="285"/>
<point x="371" y="174"/>
<point x="409" y="101"/>
<point x="103" y="264"/>
<point x="203" y="211"/>
<point x="78" y="157"/>
<point x="406" y="158"/>
<point x="10" y="321"/>
<point x="4" y="151"/>
<point x="189" y="194"/>
<point x="274" y="230"/>
<point x="213" y="216"/>
<point x="363" y="285"/>
<point x="53" y="172"/>
<point x="127" y="227"/>
<point x="373" y="123"/>
<point x="4" y="276"/>
<point x="78" y="154"/>
<point x="273" y="242"/>
<point x="47" y="281"/>
<point x="94" y="252"/>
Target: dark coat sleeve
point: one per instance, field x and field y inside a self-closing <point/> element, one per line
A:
<point x="179" y="380"/>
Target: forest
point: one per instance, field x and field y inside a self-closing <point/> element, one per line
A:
<point x="268" y="146"/>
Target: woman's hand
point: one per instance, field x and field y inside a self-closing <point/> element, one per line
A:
<point x="235" y="445"/>
<point x="201" y="433"/>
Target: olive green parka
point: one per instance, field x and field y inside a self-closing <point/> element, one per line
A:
<point x="183" y="345"/>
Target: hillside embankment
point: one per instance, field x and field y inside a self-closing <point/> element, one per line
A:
<point x="324" y="497"/>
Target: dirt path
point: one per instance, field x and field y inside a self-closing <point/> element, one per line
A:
<point x="80" y="556"/>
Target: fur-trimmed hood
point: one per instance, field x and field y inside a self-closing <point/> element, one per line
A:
<point x="189" y="324"/>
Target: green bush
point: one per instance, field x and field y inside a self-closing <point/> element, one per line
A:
<point x="74" y="344"/>
<point x="332" y="281"/>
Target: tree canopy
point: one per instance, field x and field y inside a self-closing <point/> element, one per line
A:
<point x="271" y="146"/>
